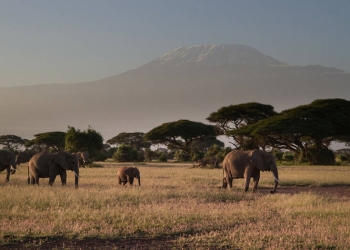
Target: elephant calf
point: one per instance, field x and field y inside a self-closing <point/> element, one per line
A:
<point x="127" y="174"/>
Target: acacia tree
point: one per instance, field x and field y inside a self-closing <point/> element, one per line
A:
<point x="134" y="140"/>
<point x="307" y="130"/>
<point x="88" y="140"/>
<point x="12" y="142"/>
<point x="180" y="134"/>
<point x="49" y="140"/>
<point x="236" y="116"/>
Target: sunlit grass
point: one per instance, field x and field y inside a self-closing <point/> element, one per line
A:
<point x="177" y="200"/>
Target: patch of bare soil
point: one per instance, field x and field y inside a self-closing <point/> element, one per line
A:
<point x="333" y="192"/>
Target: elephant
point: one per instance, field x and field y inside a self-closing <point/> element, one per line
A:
<point x="248" y="164"/>
<point x="49" y="165"/>
<point x="7" y="161"/>
<point x="82" y="158"/>
<point x="127" y="174"/>
<point x="23" y="157"/>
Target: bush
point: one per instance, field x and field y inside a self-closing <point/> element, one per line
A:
<point x="125" y="153"/>
<point x="163" y="157"/>
<point x="343" y="158"/>
<point x="181" y="155"/>
<point x="288" y="157"/>
<point x="278" y="155"/>
<point x="321" y="156"/>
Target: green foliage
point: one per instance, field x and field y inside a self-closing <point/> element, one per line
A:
<point x="125" y="153"/>
<point x="318" y="123"/>
<point x="288" y="157"/>
<point x="163" y="157"/>
<point x="182" y="156"/>
<point x="321" y="156"/>
<point x="179" y="134"/>
<point x="50" y="141"/>
<point x="278" y="155"/>
<point x="235" y="116"/>
<point x="135" y="140"/>
<point x="343" y="157"/>
<point x="12" y="142"/>
<point x="88" y="140"/>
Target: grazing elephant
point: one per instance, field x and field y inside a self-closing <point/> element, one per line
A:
<point x="248" y="164"/>
<point x="127" y="174"/>
<point x="82" y="158"/>
<point x="7" y="161"/>
<point x="23" y="157"/>
<point x="46" y="165"/>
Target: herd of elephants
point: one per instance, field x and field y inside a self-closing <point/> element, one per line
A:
<point x="237" y="164"/>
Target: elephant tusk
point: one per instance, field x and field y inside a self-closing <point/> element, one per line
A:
<point x="76" y="174"/>
<point x="12" y="168"/>
<point x="275" y="177"/>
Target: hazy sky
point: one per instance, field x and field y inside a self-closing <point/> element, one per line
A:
<point x="67" y="41"/>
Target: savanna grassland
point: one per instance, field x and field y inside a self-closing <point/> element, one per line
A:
<point x="177" y="207"/>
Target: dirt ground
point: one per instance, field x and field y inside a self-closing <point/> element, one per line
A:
<point x="334" y="192"/>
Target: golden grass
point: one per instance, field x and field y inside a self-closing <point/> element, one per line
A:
<point x="177" y="200"/>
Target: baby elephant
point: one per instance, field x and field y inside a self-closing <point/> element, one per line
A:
<point x="127" y="174"/>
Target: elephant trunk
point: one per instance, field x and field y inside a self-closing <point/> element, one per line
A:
<point x="274" y="172"/>
<point x="139" y="179"/>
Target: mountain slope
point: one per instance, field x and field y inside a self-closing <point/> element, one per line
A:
<point x="163" y="91"/>
<point x="215" y="55"/>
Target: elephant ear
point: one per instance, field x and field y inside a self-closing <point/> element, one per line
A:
<point x="60" y="158"/>
<point x="257" y="158"/>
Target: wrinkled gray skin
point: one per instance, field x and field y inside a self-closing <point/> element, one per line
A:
<point x="248" y="164"/>
<point x="7" y="161"/>
<point x="82" y="158"/>
<point x="46" y="165"/>
<point x="127" y="174"/>
<point x="23" y="157"/>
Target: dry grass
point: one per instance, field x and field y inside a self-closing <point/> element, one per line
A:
<point x="184" y="202"/>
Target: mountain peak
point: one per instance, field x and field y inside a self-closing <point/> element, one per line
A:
<point x="215" y="55"/>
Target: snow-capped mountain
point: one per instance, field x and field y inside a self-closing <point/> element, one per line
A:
<point x="215" y="55"/>
<point x="185" y="83"/>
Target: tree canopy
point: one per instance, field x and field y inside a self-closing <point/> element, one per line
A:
<point x="88" y="140"/>
<point x="135" y="140"/>
<point x="13" y="142"/>
<point x="49" y="140"/>
<point x="316" y="124"/>
<point x="179" y="134"/>
<point x="236" y="116"/>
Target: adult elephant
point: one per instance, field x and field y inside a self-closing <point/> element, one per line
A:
<point x="7" y="161"/>
<point x="82" y="158"/>
<point x="127" y="174"/>
<point x="46" y="165"/>
<point x="248" y="164"/>
<point x="23" y="157"/>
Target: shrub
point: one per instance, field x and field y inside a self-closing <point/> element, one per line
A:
<point x="163" y="157"/>
<point x="125" y="153"/>
<point x="181" y="155"/>
<point x="288" y="157"/>
<point x="321" y="156"/>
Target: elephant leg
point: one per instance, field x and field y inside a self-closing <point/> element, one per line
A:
<point x="36" y="180"/>
<point x="63" y="176"/>
<point x="131" y="180"/>
<point x="224" y="182"/>
<point x="52" y="179"/>
<point x="256" y="179"/>
<point x="119" y="181"/>
<point x="7" y="174"/>
<point x="247" y="181"/>
<point x="229" y="181"/>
